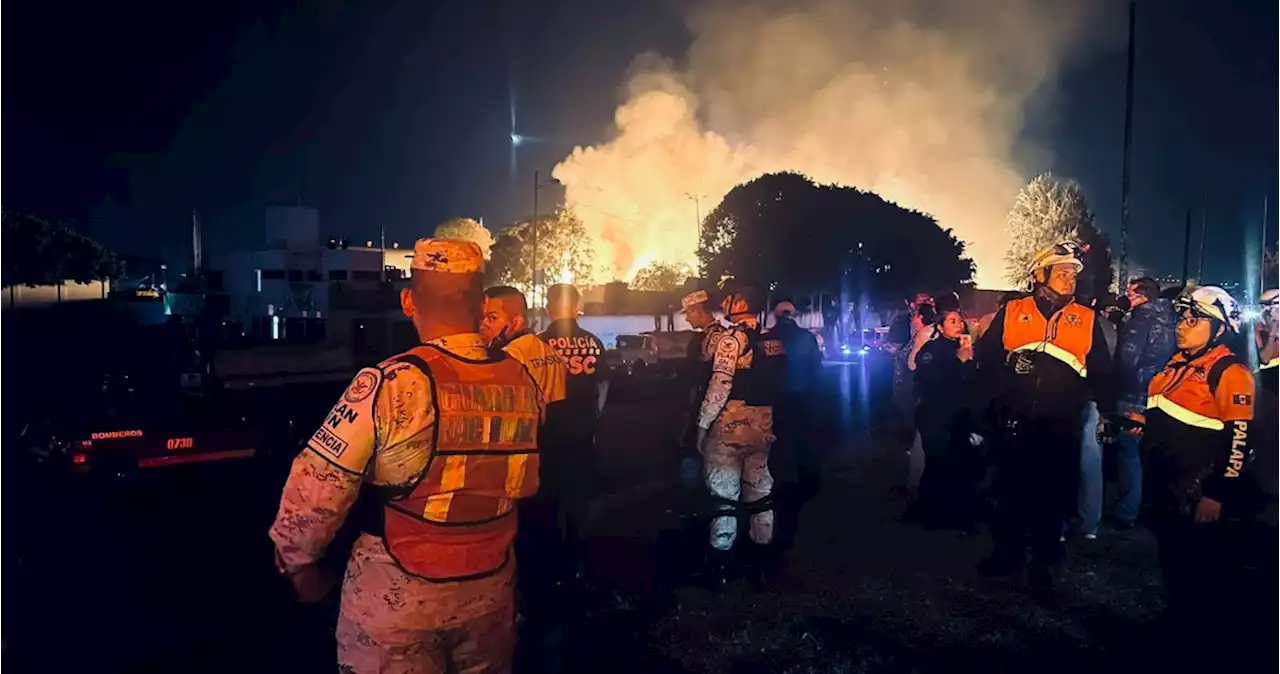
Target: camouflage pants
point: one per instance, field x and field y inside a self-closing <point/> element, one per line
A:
<point x="392" y="623"/>
<point x="737" y="469"/>
<point x="482" y="645"/>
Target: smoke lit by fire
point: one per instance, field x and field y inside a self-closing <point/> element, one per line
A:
<point x="920" y="101"/>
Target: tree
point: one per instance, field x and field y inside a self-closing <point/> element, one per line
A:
<point x="466" y="229"/>
<point x="1049" y="211"/>
<point x="785" y="234"/>
<point x="39" y="252"/>
<point x="564" y="251"/>
<point x="661" y="276"/>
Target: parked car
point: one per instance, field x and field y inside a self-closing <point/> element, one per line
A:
<point x="652" y="353"/>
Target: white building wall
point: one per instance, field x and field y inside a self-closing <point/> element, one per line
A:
<point x="295" y="273"/>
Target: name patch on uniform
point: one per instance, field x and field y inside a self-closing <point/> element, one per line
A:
<point x="1242" y="399"/>
<point x="330" y="442"/>
<point x="361" y="387"/>
<point x="342" y="413"/>
<point x="472" y="414"/>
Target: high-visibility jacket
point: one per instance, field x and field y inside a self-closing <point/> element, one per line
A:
<point x="1196" y="437"/>
<point x="1046" y="359"/>
<point x="1066" y="337"/>
<point x="458" y="522"/>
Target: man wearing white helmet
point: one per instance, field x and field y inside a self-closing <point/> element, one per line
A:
<point x="1043" y="358"/>
<point x="1198" y="441"/>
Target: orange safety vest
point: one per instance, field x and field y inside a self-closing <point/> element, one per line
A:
<point x="458" y="523"/>
<point x="1067" y="336"/>
<point x="1186" y="390"/>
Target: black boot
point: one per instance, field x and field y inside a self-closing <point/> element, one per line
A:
<point x="1002" y="562"/>
<point x="1041" y="576"/>
<point x="719" y="569"/>
<point x="762" y="564"/>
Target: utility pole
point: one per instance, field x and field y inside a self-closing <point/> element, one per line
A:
<point x="1204" y="230"/>
<point x="698" y="216"/>
<point x="533" y="286"/>
<point x="533" y="264"/>
<point x="1128" y="142"/>
<point x="1262" y="264"/>
<point x="1186" y="248"/>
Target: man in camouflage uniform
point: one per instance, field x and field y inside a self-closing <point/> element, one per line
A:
<point x="735" y="427"/>
<point x="430" y="607"/>
<point x="695" y="375"/>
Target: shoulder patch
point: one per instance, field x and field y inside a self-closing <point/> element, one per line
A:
<point x="363" y="386"/>
<point x="1242" y="399"/>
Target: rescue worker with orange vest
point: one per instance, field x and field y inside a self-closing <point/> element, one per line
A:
<point x="428" y="452"/>
<point x="1042" y="359"/>
<point x="1198" y="443"/>
<point x="735" y="431"/>
<point x="539" y="547"/>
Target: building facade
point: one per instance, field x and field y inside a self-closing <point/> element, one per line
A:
<point x="290" y="286"/>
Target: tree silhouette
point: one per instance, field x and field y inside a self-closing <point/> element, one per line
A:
<point x="1049" y="211"/>
<point x="564" y="251"/>
<point x="38" y="252"/>
<point x="661" y="276"/>
<point x="783" y="233"/>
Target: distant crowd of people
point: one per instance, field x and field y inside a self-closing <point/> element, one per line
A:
<point x="1022" y="405"/>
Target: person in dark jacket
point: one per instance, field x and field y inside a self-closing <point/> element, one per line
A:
<point x="1148" y="340"/>
<point x="791" y="421"/>
<point x="1262" y="563"/>
<point x="946" y="375"/>
<point x="791" y="461"/>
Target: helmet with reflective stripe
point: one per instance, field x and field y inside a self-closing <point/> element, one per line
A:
<point x="1067" y="252"/>
<point x="1211" y="302"/>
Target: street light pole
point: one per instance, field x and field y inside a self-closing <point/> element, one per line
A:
<point x="533" y="264"/>
<point x="697" y="213"/>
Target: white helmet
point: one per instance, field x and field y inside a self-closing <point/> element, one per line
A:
<point x="1212" y="302"/>
<point x="1067" y="252"/>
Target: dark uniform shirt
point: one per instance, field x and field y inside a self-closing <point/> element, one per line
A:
<point x="581" y="351"/>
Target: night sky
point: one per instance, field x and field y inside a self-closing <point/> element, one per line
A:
<point x="123" y="116"/>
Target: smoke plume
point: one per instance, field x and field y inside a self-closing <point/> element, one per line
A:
<point x="920" y="101"/>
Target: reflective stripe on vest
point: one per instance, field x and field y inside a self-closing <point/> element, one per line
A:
<point x="1182" y="389"/>
<point x="1057" y="352"/>
<point x="1180" y="413"/>
<point x="1067" y="336"/>
<point x="458" y="522"/>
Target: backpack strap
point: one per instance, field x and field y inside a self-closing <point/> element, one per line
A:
<point x="1215" y="372"/>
